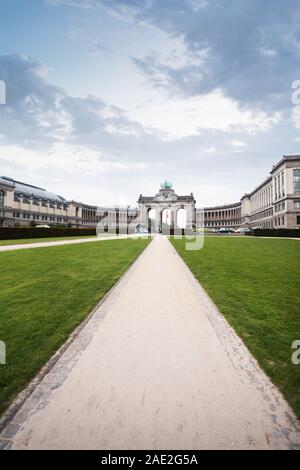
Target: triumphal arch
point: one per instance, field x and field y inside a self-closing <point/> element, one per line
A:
<point x="166" y="200"/>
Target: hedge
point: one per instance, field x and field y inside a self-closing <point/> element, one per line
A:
<point x="275" y="232"/>
<point x="15" y="233"/>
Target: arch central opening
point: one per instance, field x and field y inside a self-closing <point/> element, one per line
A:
<point x="151" y="220"/>
<point x="166" y="221"/>
<point x="181" y="218"/>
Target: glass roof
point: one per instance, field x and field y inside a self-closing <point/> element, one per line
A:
<point x="28" y="190"/>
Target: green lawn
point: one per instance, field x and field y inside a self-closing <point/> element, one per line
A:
<point x="256" y="285"/>
<point x="45" y="293"/>
<point x="38" y="240"/>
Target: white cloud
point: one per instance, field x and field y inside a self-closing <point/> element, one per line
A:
<point x="296" y="117"/>
<point x="178" y="117"/>
<point x="268" y="52"/>
<point x="67" y="158"/>
<point x="210" y="150"/>
<point x="238" y="144"/>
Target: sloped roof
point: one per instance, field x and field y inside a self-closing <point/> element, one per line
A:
<point x="29" y="190"/>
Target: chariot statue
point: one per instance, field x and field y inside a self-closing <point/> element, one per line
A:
<point x="166" y="185"/>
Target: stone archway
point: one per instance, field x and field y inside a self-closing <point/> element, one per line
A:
<point x="167" y="199"/>
<point x="166" y="220"/>
<point x="151" y="219"/>
<point x="181" y="218"/>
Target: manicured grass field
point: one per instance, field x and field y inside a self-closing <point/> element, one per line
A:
<point x="45" y="293"/>
<point x="38" y="240"/>
<point x="256" y="285"/>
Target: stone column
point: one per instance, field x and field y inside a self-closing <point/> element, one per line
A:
<point x="189" y="216"/>
<point x="173" y="217"/>
<point x="157" y="218"/>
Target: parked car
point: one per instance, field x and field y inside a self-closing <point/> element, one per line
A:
<point x="226" y="230"/>
<point x="243" y="230"/>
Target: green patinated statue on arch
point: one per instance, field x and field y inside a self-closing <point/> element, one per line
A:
<point x="166" y="185"/>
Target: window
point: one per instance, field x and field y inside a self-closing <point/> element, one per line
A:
<point x="16" y="198"/>
<point x="298" y="219"/>
<point x="282" y="183"/>
<point x="1" y="198"/>
<point x="297" y="181"/>
<point x="296" y="204"/>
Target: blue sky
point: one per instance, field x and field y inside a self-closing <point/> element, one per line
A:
<point x="107" y="98"/>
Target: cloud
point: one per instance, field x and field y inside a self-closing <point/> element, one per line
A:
<point x="210" y="150"/>
<point x="182" y="117"/>
<point x="39" y="114"/>
<point x="246" y="53"/>
<point x="251" y="48"/>
<point x="238" y="144"/>
<point x="90" y="150"/>
<point x="68" y="159"/>
<point x="53" y="134"/>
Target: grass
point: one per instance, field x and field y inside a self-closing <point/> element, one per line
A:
<point x="45" y="293"/>
<point x="256" y="285"/>
<point x="38" y="240"/>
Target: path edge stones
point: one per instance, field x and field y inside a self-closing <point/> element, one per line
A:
<point x="22" y="396"/>
<point x="249" y="368"/>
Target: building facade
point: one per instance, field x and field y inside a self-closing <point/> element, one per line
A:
<point x="227" y="216"/>
<point x="22" y="204"/>
<point x="166" y="200"/>
<point x="275" y="203"/>
<point x="118" y="219"/>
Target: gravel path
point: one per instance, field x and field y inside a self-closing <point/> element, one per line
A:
<point x="156" y="367"/>
<point x="66" y="242"/>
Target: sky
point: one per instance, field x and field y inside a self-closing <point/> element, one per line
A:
<point x="105" y="99"/>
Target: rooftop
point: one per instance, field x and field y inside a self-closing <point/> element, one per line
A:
<point x="30" y="190"/>
<point x="285" y="158"/>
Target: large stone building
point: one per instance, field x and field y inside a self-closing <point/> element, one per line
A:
<point x="23" y="204"/>
<point x="275" y="203"/>
<point x="166" y="201"/>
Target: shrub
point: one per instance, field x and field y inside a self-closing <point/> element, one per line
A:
<point x="15" y="233"/>
<point x="275" y="232"/>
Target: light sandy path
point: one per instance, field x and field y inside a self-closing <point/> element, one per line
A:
<point x="67" y="242"/>
<point x="157" y="367"/>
